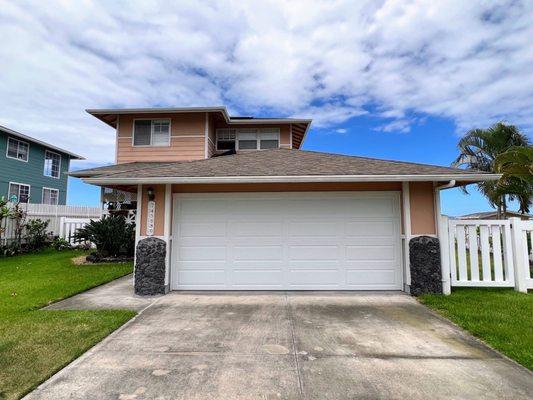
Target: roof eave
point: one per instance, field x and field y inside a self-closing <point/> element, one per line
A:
<point x="11" y="132"/>
<point x="470" y="178"/>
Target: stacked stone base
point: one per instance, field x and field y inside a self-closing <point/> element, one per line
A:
<point x="424" y="260"/>
<point x="150" y="267"/>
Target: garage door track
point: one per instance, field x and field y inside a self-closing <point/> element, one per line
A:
<point x="286" y="345"/>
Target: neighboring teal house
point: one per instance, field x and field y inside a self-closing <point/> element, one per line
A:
<point x="33" y="171"/>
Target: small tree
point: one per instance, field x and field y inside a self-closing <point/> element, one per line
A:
<point x="18" y="216"/>
<point x="4" y="214"/>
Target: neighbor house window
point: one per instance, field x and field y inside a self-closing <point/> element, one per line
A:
<point x="154" y="132"/>
<point x="18" y="192"/>
<point x="17" y="149"/>
<point x="50" y="196"/>
<point x="226" y="139"/>
<point x="52" y="164"/>
<point x="248" y="139"/>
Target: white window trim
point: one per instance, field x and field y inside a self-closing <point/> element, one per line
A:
<point x="169" y="120"/>
<point x="258" y="139"/>
<point x="216" y="139"/>
<point x="16" y="158"/>
<point x="18" y="195"/>
<point x="52" y="190"/>
<point x="44" y="167"/>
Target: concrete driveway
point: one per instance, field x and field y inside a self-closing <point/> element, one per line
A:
<point x="288" y="346"/>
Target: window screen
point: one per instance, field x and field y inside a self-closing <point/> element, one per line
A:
<point x="160" y="133"/>
<point x="142" y="133"/>
<point x="19" y="192"/>
<point x="247" y="139"/>
<point x="50" y="196"/>
<point x="269" y="138"/>
<point x="226" y="139"/>
<point x="17" y="149"/>
<point x="52" y="164"/>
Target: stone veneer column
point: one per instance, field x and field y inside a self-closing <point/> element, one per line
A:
<point x="150" y="267"/>
<point x="424" y="262"/>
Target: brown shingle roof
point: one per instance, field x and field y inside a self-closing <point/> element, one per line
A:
<point x="272" y="163"/>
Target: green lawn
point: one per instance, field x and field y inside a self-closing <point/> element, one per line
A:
<point x="502" y="318"/>
<point x="34" y="344"/>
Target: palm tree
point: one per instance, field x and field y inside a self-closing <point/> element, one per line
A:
<point x="516" y="165"/>
<point x="479" y="149"/>
<point x="517" y="162"/>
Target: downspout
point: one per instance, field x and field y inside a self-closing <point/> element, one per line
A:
<point x="442" y="234"/>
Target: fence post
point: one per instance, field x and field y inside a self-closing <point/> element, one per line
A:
<point x="62" y="227"/>
<point x="521" y="263"/>
<point x="444" y="254"/>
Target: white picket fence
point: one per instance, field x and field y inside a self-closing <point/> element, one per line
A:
<point x="63" y="220"/>
<point x="487" y="253"/>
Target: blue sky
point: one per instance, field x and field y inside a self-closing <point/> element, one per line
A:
<point x="380" y="78"/>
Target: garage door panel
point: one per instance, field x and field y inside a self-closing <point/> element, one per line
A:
<point x="255" y="229"/>
<point x="202" y="230"/>
<point x="202" y="253"/>
<point x="368" y="228"/>
<point x="313" y="252"/>
<point x="300" y="241"/>
<point x="258" y="277"/>
<point x="370" y="252"/>
<point x="205" y="277"/>
<point x="321" y="228"/>
<point x="203" y="207"/>
<point x="314" y="277"/>
<point x="370" y="277"/>
<point x="261" y="253"/>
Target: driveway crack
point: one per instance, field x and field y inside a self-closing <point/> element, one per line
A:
<point x="293" y="340"/>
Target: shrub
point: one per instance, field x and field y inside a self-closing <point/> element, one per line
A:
<point x="11" y="249"/>
<point x="111" y="235"/>
<point x="61" y="244"/>
<point x="36" y="234"/>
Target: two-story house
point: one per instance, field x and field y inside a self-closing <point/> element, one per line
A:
<point x="237" y="204"/>
<point x="32" y="171"/>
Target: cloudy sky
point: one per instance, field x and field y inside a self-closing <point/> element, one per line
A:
<point x="391" y="79"/>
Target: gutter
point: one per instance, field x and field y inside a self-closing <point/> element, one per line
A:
<point x="294" y="179"/>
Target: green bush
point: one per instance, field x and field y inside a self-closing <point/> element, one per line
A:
<point x="111" y="235"/>
<point x="61" y="244"/>
<point x="36" y="237"/>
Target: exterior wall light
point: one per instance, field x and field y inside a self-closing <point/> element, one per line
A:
<point x="151" y="194"/>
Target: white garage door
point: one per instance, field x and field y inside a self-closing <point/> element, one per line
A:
<point x="286" y="241"/>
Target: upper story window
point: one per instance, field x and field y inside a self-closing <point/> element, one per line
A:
<point x="50" y="196"/>
<point x="18" y="192"/>
<point x="248" y="139"/>
<point x="155" y="132"/>
<point x="52" y="164"/>
<point x="17" y="149"/>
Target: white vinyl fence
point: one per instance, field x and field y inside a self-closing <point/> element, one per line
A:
<point x="63" y="220"/>
<point x="488" y="253"/>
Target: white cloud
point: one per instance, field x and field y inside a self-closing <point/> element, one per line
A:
<point x="342" y="131"/>
<point x="400" y="125"/>
<point x="330" y="60"/>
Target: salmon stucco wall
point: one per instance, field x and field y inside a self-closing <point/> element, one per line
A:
<point x="187" y="139"/>
<point x="422" y="199"/>
<point x="159" y="220"/>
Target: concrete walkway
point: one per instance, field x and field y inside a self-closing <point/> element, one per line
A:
<point x="287" y="346"/>
<point x="115" y="294"/>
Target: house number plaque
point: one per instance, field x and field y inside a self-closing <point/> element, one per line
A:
<point x="150" y="222"/>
